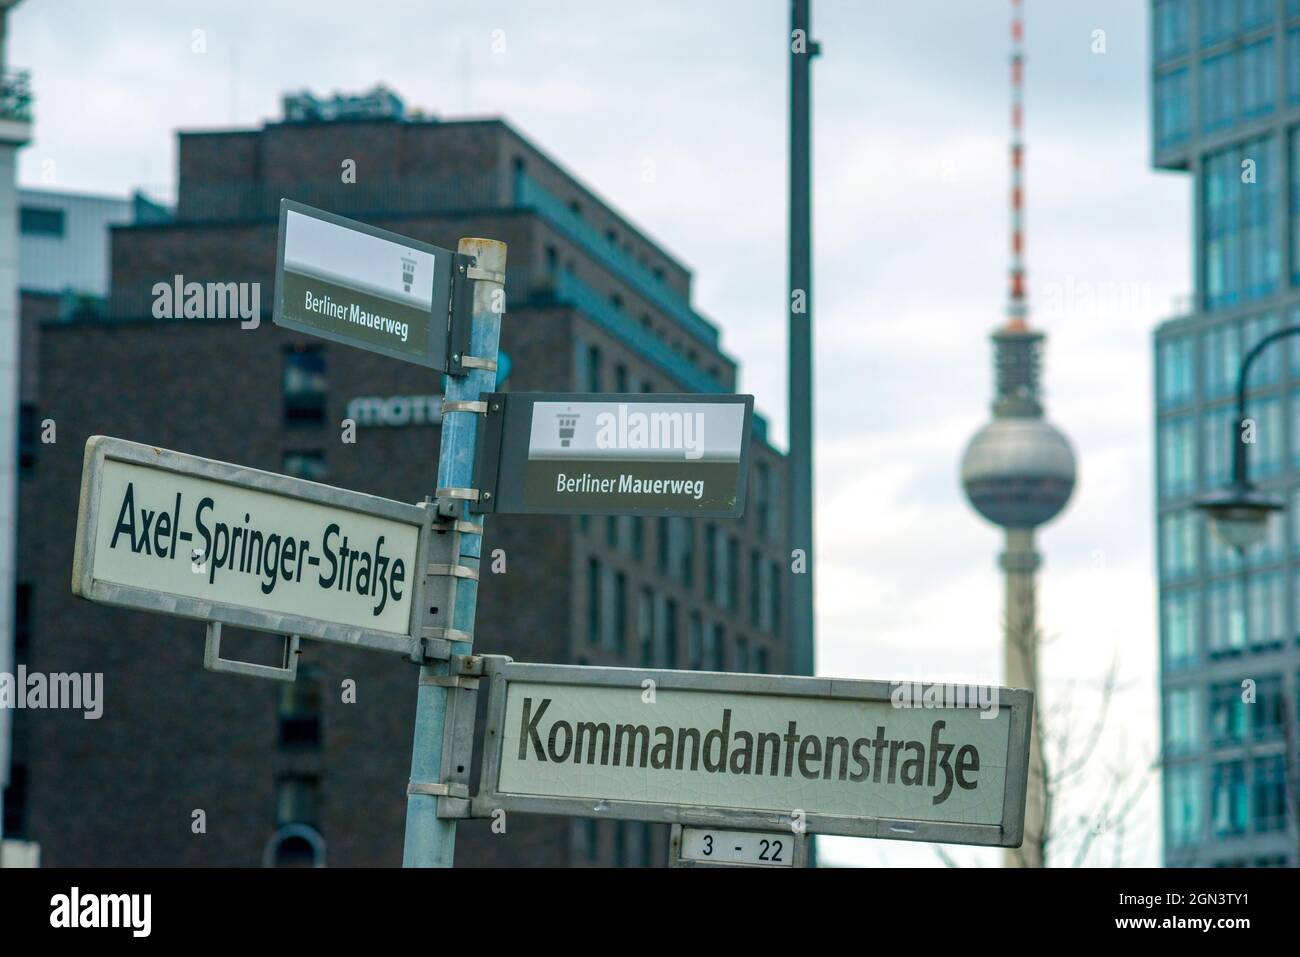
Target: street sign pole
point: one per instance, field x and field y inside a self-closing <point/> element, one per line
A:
<point x="431" y="840"/>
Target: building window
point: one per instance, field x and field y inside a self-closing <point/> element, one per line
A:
<point x="711" y="562"/>
<point x="683" y="544"/>
<point x="1267" y="603"/>
<point x="1227" y="614"/>
<point x="620" y="378"/>
<point x="645" y="631"/>
<point x="1269" y="794"/>
<point x="1257" y="73"/>
<point x="763" y="500"/>
<point x="593" y="369"/>
<point x="715" y="652"/>
<point x="300" y="711"/>
<point x="1292" y="64"/>
<point x="1183" y="805"/>
<point x="668" y="629"/>
<point x="1217" y="434"/>
<point x="742" y="655"/>
<point x="755" y="588"/>
<point x="1182" y="721"/>
<point x="1173" y="108"/>
<point x="1178" y="536"/>
<point x="22" y="622"/>
<point x="1176" y="371"/>
<point x="305" y="386"/>
<point x="1170" y="28"/>
<point x="1180" y="618"/>
<point x="41" y="221"/>
<point x="1177" y="456"/>
<point x="301" y="464"/>
<point x="1228" y="798"/>
<point x="593" y="601"/>
<point x="1239" y="216"/>
<point x="15" y="802"/>
<point x="638" y="536"/>
<point x="663" y="544"/>
<point x="1221" y="348"/>
<point x="28" y="428"/>
<point x="760" y="661"/>
<point x="1227" y="714"/>
<point x="1218" y="20"/>
<point x="1218" y="92"/>
<point x="611" y="531"/>
<point x="1255" y="14"/>
<point x="1268" y="713"/>
<point x="297" y="800"/>
<point x="695" y="650"/>
<point x="618" y="641"/>
<point x="774" y="598"/>
<point x="1266" y="369"/>
<point x="733" y="574"/>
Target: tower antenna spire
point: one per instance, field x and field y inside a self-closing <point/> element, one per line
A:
<point x="1017" y="309"/>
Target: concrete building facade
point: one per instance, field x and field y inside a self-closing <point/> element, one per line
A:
<point x="294" y="773"/>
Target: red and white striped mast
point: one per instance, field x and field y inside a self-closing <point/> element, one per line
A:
<point x="1017" y="309"/>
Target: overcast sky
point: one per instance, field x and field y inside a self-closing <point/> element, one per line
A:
<point x="910" y="132"/>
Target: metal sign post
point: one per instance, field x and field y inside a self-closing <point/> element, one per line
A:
<point x="439" y="759"/>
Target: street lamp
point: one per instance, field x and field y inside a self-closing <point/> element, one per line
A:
<point x="1239" y="513"/>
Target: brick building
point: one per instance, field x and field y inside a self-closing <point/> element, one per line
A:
<point x="593" y="305"/>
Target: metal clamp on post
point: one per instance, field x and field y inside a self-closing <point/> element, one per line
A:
<point x="213" y="661"/>
<point x="485" y="275"/>
<point x="464" y="405"/>
<point x="442" y="572"/>
<point x="475" y="362"/>
<point x="462" y="685"/>
<point x="448" y="497"/>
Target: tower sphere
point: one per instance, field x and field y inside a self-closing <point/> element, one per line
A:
<point x="1018" y="472"/>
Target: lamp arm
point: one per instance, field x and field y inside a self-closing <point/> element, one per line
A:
<point x="1238" y="447"/>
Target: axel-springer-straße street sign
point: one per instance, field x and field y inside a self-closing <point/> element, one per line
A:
<point x="167" y="532"/>
<point x="558" y="453"/>
<point x="366" y="287"/>
<point x="756" y="752"/>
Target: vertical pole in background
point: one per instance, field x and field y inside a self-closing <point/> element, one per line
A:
<point x="430" y="840"/>
<point x="799" y="304"/>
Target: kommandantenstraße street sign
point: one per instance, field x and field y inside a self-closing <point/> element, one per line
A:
<point x="179" y="534"/>
<point x="367" y="287"/>
<point x="755" y="752"/>
<point x="560" y="453"/>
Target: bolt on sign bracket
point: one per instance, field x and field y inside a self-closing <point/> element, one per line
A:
<point x="213" y="661"/>
<point x="487" y="455"/>
<point x="460" y="312"/>
<point x="462" y="686"/>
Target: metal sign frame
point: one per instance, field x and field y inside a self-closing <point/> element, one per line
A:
<point x="1008" y="833"/>
<point x="102" y="448"/>
<point x="448" y="331"/>
<point x="502" y="453"/>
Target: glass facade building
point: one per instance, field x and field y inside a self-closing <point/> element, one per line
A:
<point x="1225" y="100"/>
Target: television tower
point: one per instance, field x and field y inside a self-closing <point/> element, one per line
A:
<point x="1018" y="471"/>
